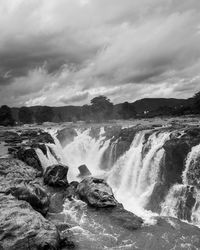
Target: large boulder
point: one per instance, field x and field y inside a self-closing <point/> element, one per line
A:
<point x="30" y="157"/>
<point x="18" y="179"/>
<point x="14" y="172"/>
<point x="23" y="228"/>
<point x="56" y="176"/>
<point x="96" y="192"/>
<point x="84" y="171"/>
<point x="34" y="195"/>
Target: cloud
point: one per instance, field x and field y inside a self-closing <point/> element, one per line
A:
<point x="67" y="51"/>
<point x="75" y="99"/>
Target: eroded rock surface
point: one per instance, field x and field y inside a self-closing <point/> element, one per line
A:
<point x="84" y="171"/>
<point x="23" y="228"/>
<point x="56" y="175"/>
<point x="96" y="192"/>
<point x="30" y="157"/>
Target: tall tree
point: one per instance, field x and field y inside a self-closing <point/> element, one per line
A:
<point x="102" y="108"/>
<point x="6" y="118"/>
<point x="44" y="114"/>
<point x="196" y="103"/>
<point x="25" y="115"/>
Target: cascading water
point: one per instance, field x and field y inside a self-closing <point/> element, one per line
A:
<point x="87" y="150"/>
<point x="132" y="177"/>
<point x="54" y="152"/>
<point x="183" y="200"/>
<point x="134" y="174"/>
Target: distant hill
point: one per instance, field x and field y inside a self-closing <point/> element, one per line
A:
<point x="151" y="104"/>
<point x="73" y="113"/>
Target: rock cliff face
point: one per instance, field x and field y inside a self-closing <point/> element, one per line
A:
<point x="174" y="162"/>
<point x="23" y="201"/>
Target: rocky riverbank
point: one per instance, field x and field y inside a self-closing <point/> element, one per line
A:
<point x="41" y="209"/>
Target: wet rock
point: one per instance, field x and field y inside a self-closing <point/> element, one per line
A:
<point x="45" y="137"/>
<point x="166" y="233"/>
<point x="96" y="192"/>
<point x="37" y="136"/>
<point x="117" y="215"/>
<point x="57" y="199"/>
<point x="56" y="175"/>
<point x="71" y="191"/>
<point x="14" y="172"/>
<point x="176" y="150"/>
<point x="42" y="147"/>
<point x="186" y="202"/>
<point x="29" y="156"/>
<point x="11" y="137"/>
<point x="19" y="180"/>
<point x="23" y="228"/>
<point x="29" y="133"/>
<point x="84" y="171"/>
<point x="34" y="195"/>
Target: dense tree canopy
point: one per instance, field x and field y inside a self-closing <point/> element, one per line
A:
<point x="25" y="115"/>
<point x="127" y="111"/>
<point x="196" y="102"/>
<point x="6" y="118"/>
<point x="102" y="108"/>
<point x="44" y="114"/>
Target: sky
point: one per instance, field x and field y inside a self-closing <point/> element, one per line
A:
<point x="66" y="52"/>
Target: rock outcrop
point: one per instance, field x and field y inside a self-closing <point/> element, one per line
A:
<point x="56" y="176"/>
<point x="96" y="192"/>
<point x="30" y="157"/>
<point x="24" y="202"/>
<point x="24" y="143"/>
<point x="19" y="180"/>
<point x="34" y="195"/>
<point x="23" y="228"/>
<point x="84" y="171"/>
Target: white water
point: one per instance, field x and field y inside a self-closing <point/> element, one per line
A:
<point x="177" y="193"/>
<point x="191" y="160"/>
<point x="85" y="150"/>
<point x="56" y="157"/>
<point x="134" y="175"/>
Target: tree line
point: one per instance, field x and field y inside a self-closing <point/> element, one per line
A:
<point x="100" y="109"/>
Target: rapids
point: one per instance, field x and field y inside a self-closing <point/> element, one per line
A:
<point x="133" y="175"/>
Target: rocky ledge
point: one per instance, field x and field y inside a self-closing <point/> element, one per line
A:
<point x="35" y="204"/>
<point x="31" y="207"/>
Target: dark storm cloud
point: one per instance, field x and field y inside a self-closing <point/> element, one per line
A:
<point x="137" y="48"/>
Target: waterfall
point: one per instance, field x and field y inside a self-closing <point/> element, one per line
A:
<point x="135" y="174"/>
<point x="54" y="152"/>
<point x="87" y="150"/>
<point x="191" y="160"/>
<point x="183" y="200"/>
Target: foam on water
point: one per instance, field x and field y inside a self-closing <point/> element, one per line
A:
<point x="85" y="150"/>
<point x="134" y="175"/>
<point x="177" y="193"/>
